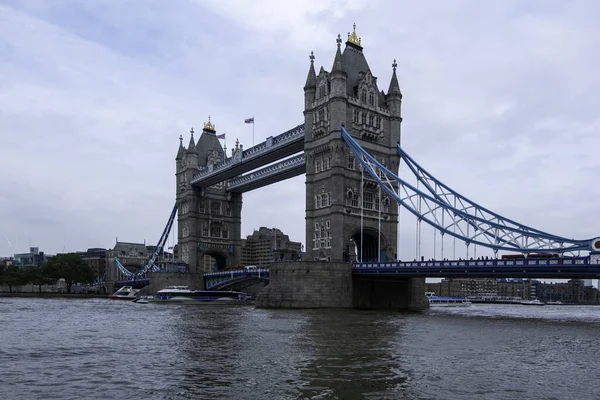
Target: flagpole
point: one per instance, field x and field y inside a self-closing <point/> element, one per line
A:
<point x="252" y="131"/>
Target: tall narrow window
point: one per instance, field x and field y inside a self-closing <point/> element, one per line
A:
<point x="322" y="114"/>
<point x="322" y="91"/>
<point x="363" y="96"/>
<point x="378" y="123"/>
<point x="351" y="161"/>
<point x="368" y="201"/>
<point x="364" y="118"/>
<point x="371" y="99"/>
<point x="355" y="115"/>
<point x="371" y="120"/>
<point x="215" y="208"/>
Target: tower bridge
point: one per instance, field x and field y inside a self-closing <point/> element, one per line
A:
<point x="349" y="149"/>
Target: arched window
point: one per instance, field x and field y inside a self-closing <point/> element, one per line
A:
<point x="363" y="96"/>
<point x="371" y="99"/>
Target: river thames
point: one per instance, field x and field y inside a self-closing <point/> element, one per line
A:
<point x="103" y="349"/>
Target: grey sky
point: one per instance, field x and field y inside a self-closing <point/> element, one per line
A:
<point x="501" y="102"/>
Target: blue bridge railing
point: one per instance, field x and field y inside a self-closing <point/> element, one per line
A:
<point x="560" y="267"/>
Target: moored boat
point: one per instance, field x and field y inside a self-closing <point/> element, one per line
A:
<point x="124" y="293"/>
<point x="185" y="295"/>
<point x="441" y="301"/>
<point x="534" y="302"/>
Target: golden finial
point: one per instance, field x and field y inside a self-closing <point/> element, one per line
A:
<point x="352" y="37"/>
<point x="209" y="126"/>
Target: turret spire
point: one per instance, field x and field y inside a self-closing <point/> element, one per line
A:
<point x="181" y="149"/>
<point x="338" y="65"/>
<point x="192" y="145"/>
<point x="311" y="79"/>
<point x="394" y="86"/>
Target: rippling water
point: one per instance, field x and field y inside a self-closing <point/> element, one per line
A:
<point x="102" y="349"/>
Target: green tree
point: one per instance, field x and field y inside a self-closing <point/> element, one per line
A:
<point x="13" y="276"/>
<point x="39" y="276"/>
<point x="71" y="268"/>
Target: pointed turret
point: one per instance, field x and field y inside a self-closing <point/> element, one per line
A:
<point x="310" y="88"/>
<point x="394" y="86"/>
<point x="338" y="74"/>
<point x="181" y="149"/>
<point x="394" y="104"/>
<point x="338" y="65"/>
<point x="192" y="146"/>
<point x="311" y="79"/>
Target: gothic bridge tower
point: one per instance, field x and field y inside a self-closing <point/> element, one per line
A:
<point x="209" y="219"/>
<point x="349" y="96"/>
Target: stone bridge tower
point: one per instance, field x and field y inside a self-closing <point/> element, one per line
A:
<point x="209" y="219"/>
<point x="349" y="96"/>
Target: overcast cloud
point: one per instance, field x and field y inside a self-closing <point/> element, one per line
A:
<point x="501" y="102"/>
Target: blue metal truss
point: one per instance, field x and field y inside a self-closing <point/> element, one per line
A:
<point x="455" y="215"/>
<point x="150" y="264"/>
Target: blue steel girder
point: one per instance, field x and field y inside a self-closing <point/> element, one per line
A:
<point x="216" y="279"/>
<point x="272" y="149"/>
<point x="472" y="228"/>
<point x="280" y="171"/>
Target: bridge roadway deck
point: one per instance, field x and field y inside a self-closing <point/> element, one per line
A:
<point x="278" y="172"/>
<point x="271" y="150"/>
<point x="559" y="268"/>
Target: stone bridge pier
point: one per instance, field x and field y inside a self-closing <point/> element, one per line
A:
<point x="314" y="284"/>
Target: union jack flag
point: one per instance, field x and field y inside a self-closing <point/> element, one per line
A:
<point x="249" y="120"/>
<point x="221" y="136"/>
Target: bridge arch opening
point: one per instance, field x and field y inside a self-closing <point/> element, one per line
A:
<point x="365" y="244"/>
<point x="212" y="261"/>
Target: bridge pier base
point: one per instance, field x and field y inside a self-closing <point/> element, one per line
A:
<point x="374" y="292"/>
<point x="309" y="284"/>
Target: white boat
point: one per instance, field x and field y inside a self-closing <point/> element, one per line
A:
<point x="125" y="293"/>
<point x="441" y="301"/>
<point x="534" y="302"/>
<point x="185" y="295"/>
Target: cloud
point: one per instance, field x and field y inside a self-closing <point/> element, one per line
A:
<point x="500" y="103"/>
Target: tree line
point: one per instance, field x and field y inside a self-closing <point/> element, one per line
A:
<point x="69" y="267"/>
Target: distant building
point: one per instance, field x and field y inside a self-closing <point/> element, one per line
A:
<point x="6" y="262"/>
<point x="95" y="258"/>
<point x="574" y="291"/>
<point x="267" y="245"/>
<point x="34" y="258"/>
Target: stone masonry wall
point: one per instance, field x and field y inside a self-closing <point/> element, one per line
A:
<point x="307" y="285"/>
<point x="374" y="292"/>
